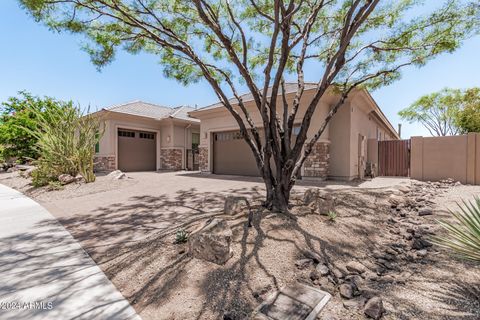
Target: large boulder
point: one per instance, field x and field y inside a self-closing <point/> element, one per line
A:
<point x="66" y="179"/>
<point x="212" y="241"/>
<point x="320" y="202"/>
<point x="234" y="205"/>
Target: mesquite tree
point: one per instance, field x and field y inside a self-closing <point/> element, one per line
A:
<point x="258" y="43"/>
<point x="437" y="112"/>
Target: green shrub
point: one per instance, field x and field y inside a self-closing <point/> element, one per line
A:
<point x="463" y="237"/>
<point x="42" y="176"/>
<point x="3" y="158"/>
<point x="332" y="215"/>
<point x="55" y="185"/>
<point x="181" y="236"/>
<point x="17" y="121"/>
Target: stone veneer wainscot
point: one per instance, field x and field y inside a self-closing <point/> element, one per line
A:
<point x="104" y="163"/>
<point x="171" y="159"/>
<point x="203" y="159"/>
<point x="316" y="164"/>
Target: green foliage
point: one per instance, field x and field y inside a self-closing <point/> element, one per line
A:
<point x="447" y="112"/>
<point x="463" y="236"/>
<point x="15" y="116"/>
<point x="332" y="215"/>
<point x="436" y="111"/>
<point x="468" y="119"/>
<point x="181" y="236"/>
<point x="66" y="142"/>
<point x="43" y="176"/>
<point x="55" y="185"/>
<point x="395" y="34"/>
<point x="2" y="154"/>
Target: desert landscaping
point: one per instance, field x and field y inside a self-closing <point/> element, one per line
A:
<point x="366" y="244"/>
<point x="240" y="160"/>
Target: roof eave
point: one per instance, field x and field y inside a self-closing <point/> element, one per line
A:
<point x="381" y="114"/>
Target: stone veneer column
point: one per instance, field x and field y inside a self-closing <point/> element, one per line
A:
<point x="171" y="159"/>
<point x="316" y="164"/>
<point x="203" y="159"/>
<point x="103" y="163"/>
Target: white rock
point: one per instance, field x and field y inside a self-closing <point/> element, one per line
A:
<point x="117" y="174"/>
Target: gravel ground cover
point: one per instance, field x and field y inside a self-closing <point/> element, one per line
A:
<point x="382" y="227"/>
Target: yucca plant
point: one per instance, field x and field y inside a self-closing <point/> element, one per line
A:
<point x="463" y="235"/>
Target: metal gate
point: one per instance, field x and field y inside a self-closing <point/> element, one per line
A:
<point x="394" y="158"/>
<point x="192" y="159"/>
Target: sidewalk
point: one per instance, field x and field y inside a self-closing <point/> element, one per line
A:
<point x="44" y="273"/>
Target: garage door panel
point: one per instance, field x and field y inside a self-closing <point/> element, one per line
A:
<point x="136" y="150"/>
<point x="232" y="155"/>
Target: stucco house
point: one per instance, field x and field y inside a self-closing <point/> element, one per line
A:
<point x="342" y="152"/>
<point x="141" y="136"/>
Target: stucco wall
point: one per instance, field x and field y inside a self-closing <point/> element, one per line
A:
<point x="340" y="143"/>
<point x="364" y="122"/>
<point x="222" y="120"/>
<point x="456" y="157"/>
<point x="342" y="132"/>
<point x="372" y="154"/>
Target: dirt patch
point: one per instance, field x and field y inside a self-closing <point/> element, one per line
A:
<point x="132" y="242"/>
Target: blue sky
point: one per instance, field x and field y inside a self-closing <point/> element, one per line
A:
<point x="42" y="62"/>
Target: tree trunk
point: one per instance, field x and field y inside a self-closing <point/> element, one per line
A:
<point x="278" y="193"/>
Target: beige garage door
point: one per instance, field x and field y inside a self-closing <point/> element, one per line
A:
<point x="137" y="150"/>
<point x="232" y="155"/>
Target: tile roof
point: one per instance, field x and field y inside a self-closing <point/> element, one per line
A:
<point x="182" y="113"/>
<point x="154" y="111"/>
<point x="289" y="88"/>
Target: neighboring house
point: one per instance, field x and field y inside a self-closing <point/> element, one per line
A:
<point x="142" y="136"/>
<point x="340" y="153"/>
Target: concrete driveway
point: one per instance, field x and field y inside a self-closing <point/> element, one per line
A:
<point x="191" y="190"/>
<point x="45" y="273"/>
<point x="149" y="203"/>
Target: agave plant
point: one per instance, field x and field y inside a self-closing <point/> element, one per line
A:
<point x="463" y="236"/>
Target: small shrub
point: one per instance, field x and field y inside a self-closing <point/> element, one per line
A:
<point x="181" y="236"/>
<point x="42" y="176"/>
<point x="55" y="185"/>
<point x="463" y="236"/>
<point x="332" y="215"/>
